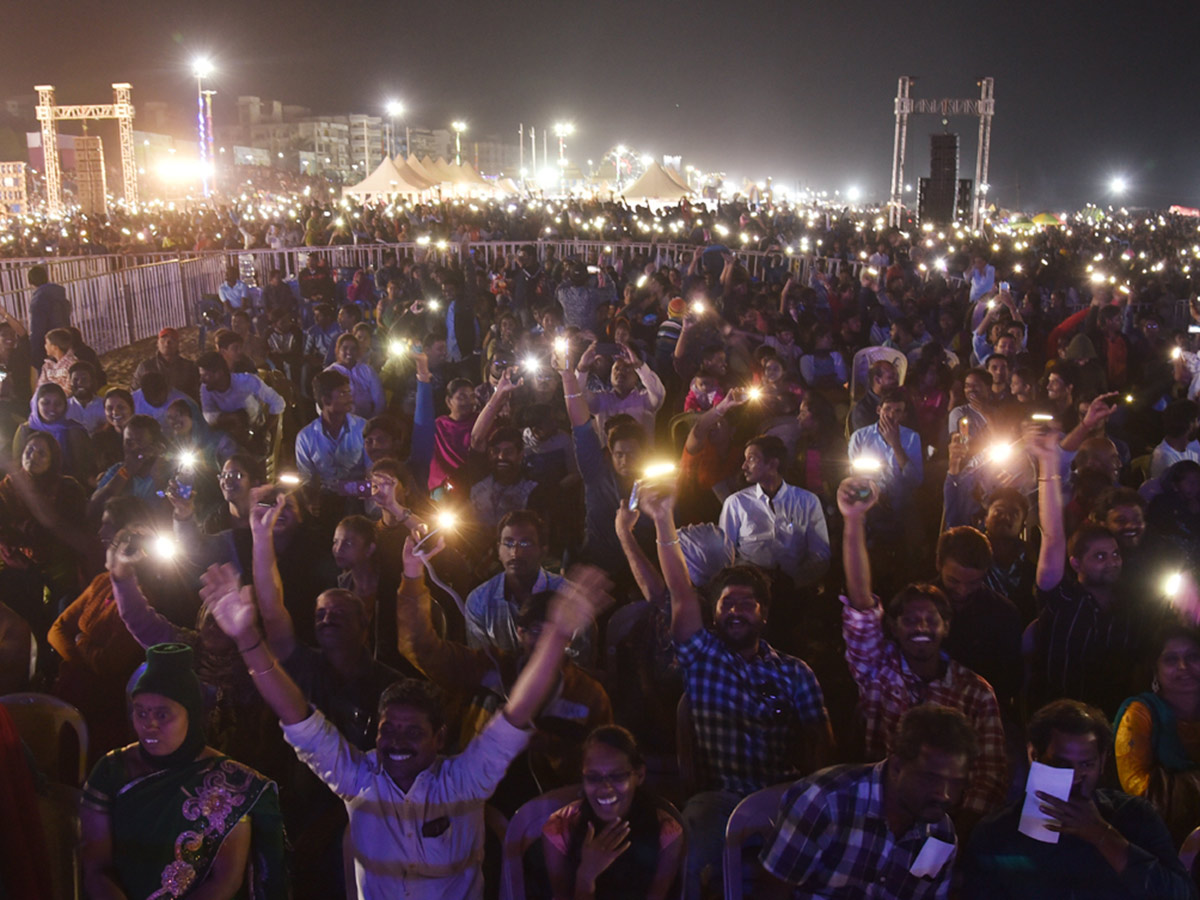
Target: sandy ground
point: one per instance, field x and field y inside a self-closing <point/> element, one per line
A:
<point x="119" y="365"/>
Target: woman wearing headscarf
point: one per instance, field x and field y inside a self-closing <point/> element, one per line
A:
<point x="169" y="816"/>
<point x="49" y="414"/>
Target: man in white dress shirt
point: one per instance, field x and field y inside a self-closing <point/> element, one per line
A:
<point x="773" y="524"/>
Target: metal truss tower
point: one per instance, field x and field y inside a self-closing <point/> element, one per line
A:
<point x="984" y="108"/>
<point x="49" y="114"/>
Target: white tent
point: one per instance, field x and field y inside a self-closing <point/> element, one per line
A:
<point x="412" y="174"/>
<point x="421" y="169"/>
<point x="506" y="186"/>
<point x="677" y="178"/>
<point x="655" y="186"/>
<point x="385" y="180"/>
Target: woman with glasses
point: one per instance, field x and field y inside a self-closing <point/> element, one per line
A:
<point x="616" y="841"/>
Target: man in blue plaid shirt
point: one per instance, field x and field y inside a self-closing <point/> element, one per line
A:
<point x="879" y="831"/>
<point x="759" y="715"/>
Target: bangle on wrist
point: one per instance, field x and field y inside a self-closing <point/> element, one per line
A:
<point x="666" y="543"/>
<point x="269" y="668"/>
<point x="573" y="396"/>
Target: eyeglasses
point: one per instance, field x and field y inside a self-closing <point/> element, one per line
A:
<point x="614" y="779"/>
<point x="510" y="544"/>
<point x="231" y="476"/>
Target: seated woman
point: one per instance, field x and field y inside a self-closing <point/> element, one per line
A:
<point x="169" y="816"/>
<point x="41" y="542"/>
<point x="49" y="415"/>
<point x="1158" y="734"/>
<point x="615" y="842"/>
<point x="108" y="440"/>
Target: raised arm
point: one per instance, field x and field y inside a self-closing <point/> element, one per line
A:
<point x="1097" y="414"/>
<point x="1044" y="447"/>
<point x="147" y="626"/>
<point x="577" y="408"/>
<point x="658" y="503"/>
<point x="234" y="610"/>
<point x="277" y="623"/>
<point x="491" y="411"/>
<point x="656" y="391"/>
<point x="581" y="598"/>
<point x="708" y="420"/>
<point x="649" y="579"/>
<point x="855" y="497"/>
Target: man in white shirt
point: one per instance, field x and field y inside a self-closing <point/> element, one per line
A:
<point x="232" y="291"/>
<point x="1178" y="443"/>
<point x="641" y="402"/>
<point x="84" y="406"/>
<point x="365" y="385"/>
<point x="225" y="392"/>
<point x="775" y="525"/>
<point x="416" y="817"/>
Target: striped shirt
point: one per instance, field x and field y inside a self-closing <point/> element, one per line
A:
<point x="426" y="842"/>
<point x="830" y="839"/>
<point x="747" y="714"/>
<point x="888" y="688"/>
<point x="1086" y="651"/>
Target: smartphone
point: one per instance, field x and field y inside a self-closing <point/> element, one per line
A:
<point x="593" y="270"/>
<point x="1194" y="329"/>
<point x="1004" y="287"/>
<point x="135" y="543"/>
<point x="608" y="349"/>
<point x="356" y="488"/>
<point x="633" y="495"/>
<point x="861" y="494"/>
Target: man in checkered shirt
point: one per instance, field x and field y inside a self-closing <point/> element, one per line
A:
<point x="910" y="669"/>
<point x="858" y="832"/>
<point x="759" y="715"/>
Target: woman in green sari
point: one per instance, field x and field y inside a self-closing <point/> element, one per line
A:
<point x="168" y="817"/>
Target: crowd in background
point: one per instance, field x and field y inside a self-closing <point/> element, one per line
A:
<point x="402" y="542"/>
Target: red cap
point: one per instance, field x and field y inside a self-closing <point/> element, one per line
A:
<point x="168" y="332"/>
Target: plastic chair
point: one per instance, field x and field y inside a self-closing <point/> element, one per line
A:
<point x="58" y="808"/>
<point x="863" y="360"/>
<point x="620" y="625"/>
<point x="750" y="818"/>
<point x="1189" y="850"/>
<point x="680" y="427"/>
<point x="523" y="830"/>
<point x="42" y="721"/>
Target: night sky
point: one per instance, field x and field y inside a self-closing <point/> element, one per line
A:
<point x="802" y="91"/>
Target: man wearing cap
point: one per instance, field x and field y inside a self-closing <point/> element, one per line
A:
<point x="181" y="373"/>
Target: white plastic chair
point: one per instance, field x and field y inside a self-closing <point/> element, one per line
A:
<point x="749" y="818"/>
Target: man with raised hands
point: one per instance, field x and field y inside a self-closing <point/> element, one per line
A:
<point x="416" y="817"/>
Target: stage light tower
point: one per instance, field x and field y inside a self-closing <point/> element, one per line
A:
<point x="459" y="127"/>
<point x="202" y="67"/>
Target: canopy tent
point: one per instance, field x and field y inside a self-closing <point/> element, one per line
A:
<point x="442" y="168"/>
<point x="506" y="186"/>
<point x="413" y="175"/>
<point x="468" y="174"/>
<point x="656" y="184"/>
<point x="1046" y="218"/>
<point x="386" y="179"/>
<point x="677" y="178"/>
<point x="420" y="168"/>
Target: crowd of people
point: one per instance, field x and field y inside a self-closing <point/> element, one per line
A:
<point x="449" y="534"/>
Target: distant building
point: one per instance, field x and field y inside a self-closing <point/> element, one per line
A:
<point x="14" y="187"/>
<point x="435" y="143"/>
<point x="493" y="158"/>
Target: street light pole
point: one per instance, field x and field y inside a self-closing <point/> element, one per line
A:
<point x="200" y="68"/>
<point x="459" y="127"/>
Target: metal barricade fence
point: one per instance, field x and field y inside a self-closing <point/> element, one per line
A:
<point x="118" y="299"/>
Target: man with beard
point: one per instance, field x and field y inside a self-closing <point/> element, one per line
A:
<point x="857" y="831"/>
<point x="881" y="376"/>
<point x="1012" y="571"/>
<point x="759" y="716"/>
<point x="505" y="489"/>
<point x="1090" y="633"/>
<point x="181" y="373"/>
<point x="1110" y="845"/>
<point x="416" y="818"/>
<point x="492" y="607"/>
<point x="893" y="675"/>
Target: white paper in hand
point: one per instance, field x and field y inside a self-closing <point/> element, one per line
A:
<point x="1048" y="780"/>
<point x="933" y="856"/>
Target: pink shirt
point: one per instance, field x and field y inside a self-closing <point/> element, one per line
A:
<point x="451" y="444"/>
